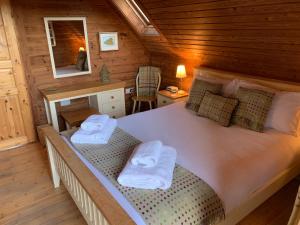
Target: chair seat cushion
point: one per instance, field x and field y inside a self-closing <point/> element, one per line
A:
<point x="144" y="98"/>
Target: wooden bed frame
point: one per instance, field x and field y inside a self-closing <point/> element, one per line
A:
<point x="97" y="205"/>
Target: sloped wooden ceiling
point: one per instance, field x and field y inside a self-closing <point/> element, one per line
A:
<point x="258" y="37"/>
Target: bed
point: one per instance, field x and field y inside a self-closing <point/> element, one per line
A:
<point x="67" y="70"/>
<point x="230" y="159"/>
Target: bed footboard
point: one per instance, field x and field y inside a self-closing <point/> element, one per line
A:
<point x="60" y="171"/>
<point x="96" y="205"/>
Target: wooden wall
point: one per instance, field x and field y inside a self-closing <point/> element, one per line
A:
<point x="69" y="36"/>
<point x="260" y="37"/>
<point x="123" y="64"/>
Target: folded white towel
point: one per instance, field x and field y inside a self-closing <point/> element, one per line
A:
<point x="159" y="176"/>
<point x="147" y="154"/>
<point x="95" y="137"/>
<point x="94" y="122"/>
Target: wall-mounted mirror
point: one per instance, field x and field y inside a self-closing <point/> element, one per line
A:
<point x="68" y="46"/>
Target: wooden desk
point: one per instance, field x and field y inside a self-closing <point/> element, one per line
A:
<point x="107" y="98"/>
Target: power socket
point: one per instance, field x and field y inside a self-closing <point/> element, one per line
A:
<point x="130" y="90"/>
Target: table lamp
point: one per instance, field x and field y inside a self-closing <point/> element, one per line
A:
<point x="180" y="73"/>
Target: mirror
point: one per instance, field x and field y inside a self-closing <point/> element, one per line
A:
<point x="68" y="46"/>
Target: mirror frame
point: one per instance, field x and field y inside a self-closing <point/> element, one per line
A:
<point x="83" y="19"/>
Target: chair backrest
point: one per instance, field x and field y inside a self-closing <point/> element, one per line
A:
<point x="148" y="81"/>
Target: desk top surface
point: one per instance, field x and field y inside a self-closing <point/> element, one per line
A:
<point x="57" y="93"/>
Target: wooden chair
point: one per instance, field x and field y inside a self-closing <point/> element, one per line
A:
<point x="295" y="217"/>
<point x="147" y="85"/>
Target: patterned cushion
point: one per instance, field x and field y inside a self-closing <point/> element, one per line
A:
<point x="217" y="108"/>
<point x="198" y="91"/>
<point x="253" y="108"/>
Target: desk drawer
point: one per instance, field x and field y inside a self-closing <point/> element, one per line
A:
<point x="114" y="109"/>
<point x="162" y="101"/>
<point x="112" y="106"/>
<point x="116" y="114"/>
<point x="110" y="96"/>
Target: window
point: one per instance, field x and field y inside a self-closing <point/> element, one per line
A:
<point x="136" y="17"/>
<point x="52" y="34"/>
<point x="139" y="12"/>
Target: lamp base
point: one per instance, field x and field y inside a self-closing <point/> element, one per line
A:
<point x="181" y="92"/>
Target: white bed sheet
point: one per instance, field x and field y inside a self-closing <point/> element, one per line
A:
<point x="67" y="70"/>
<point x="234" y="161"/>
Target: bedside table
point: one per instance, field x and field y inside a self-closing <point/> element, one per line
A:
<point x="165" y="97"/>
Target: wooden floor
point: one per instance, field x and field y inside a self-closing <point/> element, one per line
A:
<point x="28" y="197"/>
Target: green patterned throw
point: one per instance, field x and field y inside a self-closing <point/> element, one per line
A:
<point x="217" y="108"/>
<point x="253" y="108"/>
<point x="198" y="91"/>
<point x="189" y="200"/>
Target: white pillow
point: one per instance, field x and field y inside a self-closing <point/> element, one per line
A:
<point x="284" y="114"/>
<point x="228" y="88"/>
<point x="251" y="85"/>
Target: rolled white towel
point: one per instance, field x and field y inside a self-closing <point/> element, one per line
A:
<point x="159" y="176"/>
<point x="147" y="154"/>
<point x="95" y="122"/>
<point x="95" y="137"/>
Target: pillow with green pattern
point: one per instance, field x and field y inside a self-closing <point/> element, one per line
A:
<point x="253" y="108"/>
<point x="217" y="108"/>
<point x="197" y="93"/>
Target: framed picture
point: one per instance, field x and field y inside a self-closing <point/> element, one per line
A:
<point x="108" y="41"/>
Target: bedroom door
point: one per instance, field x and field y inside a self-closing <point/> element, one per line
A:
<point x="16" y="123"/>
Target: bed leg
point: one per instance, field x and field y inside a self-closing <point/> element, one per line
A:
<point x="54" y="173"/>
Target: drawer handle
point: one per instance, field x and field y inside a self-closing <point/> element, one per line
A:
<point x="113" y="107"/>
<point x="112" y="97"/>
<point x="114" y="117"/>
<point x="164" y="101"/>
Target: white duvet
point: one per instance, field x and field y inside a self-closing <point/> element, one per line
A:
<point x="234" y="161"/>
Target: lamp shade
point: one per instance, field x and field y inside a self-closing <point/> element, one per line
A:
<point x="180" y="73"/>
<point x="81" y="49"/>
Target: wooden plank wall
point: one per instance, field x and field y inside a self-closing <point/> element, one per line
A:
<point x="258" y="37"/>
<point x="123" y="64"/>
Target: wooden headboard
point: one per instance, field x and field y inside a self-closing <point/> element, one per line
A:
<point x="272" y="83"/>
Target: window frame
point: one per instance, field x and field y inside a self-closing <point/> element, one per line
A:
<point x="139" y="12"/>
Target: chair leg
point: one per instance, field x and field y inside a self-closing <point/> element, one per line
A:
<point x="139" y="107"/>
<point x="150" y="104"/>
<point x="134" y="105"/>
<point x="68" y="127"/>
